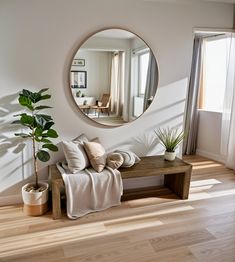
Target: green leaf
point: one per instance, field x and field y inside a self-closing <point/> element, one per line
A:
<point x="38" y="131"/>
<point x="26" y="92"/>
<point x="44" y="140"/>
<point x="40" y="121"/>
<point x="25" y="101"/>
<point x="43" y="90"/>
<point x="43" y="155"/>
<point x="46" y="117"/>
<point x="51" y="147"/>
<point x="27" y="120"/>
<point x="23" y="135"/>
<point x="35" y="97"/>
<point x="41" y="107"/>
<point x="52" y="133"/>
<point x="45" y="97"/>
<point x="48" y="125"/>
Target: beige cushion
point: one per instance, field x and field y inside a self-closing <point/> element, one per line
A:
<point x="96" y="154"/>
<point x="75" y="154"/>
<point x="129" y="158"/>
<point x="114" y="160"/>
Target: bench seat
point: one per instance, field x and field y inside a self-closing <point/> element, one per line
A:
<point x="177" y="176"/>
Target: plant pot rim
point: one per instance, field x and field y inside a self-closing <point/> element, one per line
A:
<point x="31" y="183"/>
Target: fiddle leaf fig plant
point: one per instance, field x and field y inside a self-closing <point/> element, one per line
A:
<point x="38" y="126"/>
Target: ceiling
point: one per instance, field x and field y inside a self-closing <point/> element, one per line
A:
<point x="115" y="33"/>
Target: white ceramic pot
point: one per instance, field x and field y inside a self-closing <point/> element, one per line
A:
<point x="170" y="156"/>
<point x="35" y="203"/>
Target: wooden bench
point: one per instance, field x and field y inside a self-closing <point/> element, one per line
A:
<point x="177" y="175"/>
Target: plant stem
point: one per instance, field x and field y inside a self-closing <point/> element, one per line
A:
<point x="35" y="161"/>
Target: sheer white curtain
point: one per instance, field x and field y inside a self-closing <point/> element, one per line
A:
<point x="117" y="83"/>
<point x="228" y="118"/>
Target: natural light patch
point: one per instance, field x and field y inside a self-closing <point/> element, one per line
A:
<point x="204" y="195"/>
<point x="148" y="215"/>
<point x="215" y="66"/>
<point x="200" y="188"/>
<point x="198" y="196"/>
<point x="206" y="166"/>
<point x="223" y="193"/>
<point x="205" y="182"/>
<point x="201" y="163"/>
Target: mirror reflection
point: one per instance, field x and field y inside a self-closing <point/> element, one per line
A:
<point x="113" y="77"/>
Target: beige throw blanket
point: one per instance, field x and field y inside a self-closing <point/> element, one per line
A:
<point x="88" y="191"/>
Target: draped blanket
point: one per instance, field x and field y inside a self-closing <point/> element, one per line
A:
<point x="88" y="191"/>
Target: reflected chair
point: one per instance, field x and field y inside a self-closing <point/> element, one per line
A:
<point x="103" y="105"/>
<point x="85" y="108"/>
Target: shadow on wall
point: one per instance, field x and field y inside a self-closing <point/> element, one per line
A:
<point x="166" y="110"/>
<point x="15" y="158"/>
<point x="147" y="144"/>
<point x="9" y="144"/>
<point x="9" y="107"/>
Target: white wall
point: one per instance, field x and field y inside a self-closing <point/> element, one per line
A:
<point x="38" y="42"/>
<point x="209" y="135"/>
<point x="98" y="68"/>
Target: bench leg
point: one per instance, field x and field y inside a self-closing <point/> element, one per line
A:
<point x="56" y="198"/>
<point x="179" y="183"/>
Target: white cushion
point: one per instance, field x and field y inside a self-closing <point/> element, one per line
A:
<point x="129" y="158"/>
<point x="80" y="142"/>
<point x="75" y="154"/>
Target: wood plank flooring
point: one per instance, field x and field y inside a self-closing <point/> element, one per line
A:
<point x="165" y="228"/>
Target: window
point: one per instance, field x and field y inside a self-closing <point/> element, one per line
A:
<point x="143" y="61"/>
<point x="214" y="73"/>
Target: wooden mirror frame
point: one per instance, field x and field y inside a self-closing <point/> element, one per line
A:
<point x="71" y="64"/>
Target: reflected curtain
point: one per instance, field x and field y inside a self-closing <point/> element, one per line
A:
<point x="192" y="114"/>
<point x="228" y="117"/>
<point x="151" y="81"/>
<point x="117" y="83"/>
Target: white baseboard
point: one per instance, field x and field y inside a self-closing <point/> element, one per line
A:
<point x="210" y="155"/>
<point x="11" y="200"/>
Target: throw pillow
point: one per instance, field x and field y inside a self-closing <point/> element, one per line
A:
<point x="114" y="160"/>
<point x="75" y="154"/>
<point x="80" y="142"/>
<point x="96" y="154"/>
<point x="129" y="158"/>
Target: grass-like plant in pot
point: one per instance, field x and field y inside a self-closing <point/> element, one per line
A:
<point x="38" y="129"/>
<point x="170" y="138"/>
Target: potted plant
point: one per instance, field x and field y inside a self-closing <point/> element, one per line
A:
<point x="37" y="128"/>
<point x="170" y="138"/>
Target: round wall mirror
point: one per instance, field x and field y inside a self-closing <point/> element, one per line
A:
<point x="113" y="77"/>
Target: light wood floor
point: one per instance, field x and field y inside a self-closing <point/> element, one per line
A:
<point x="152" y="229"/>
